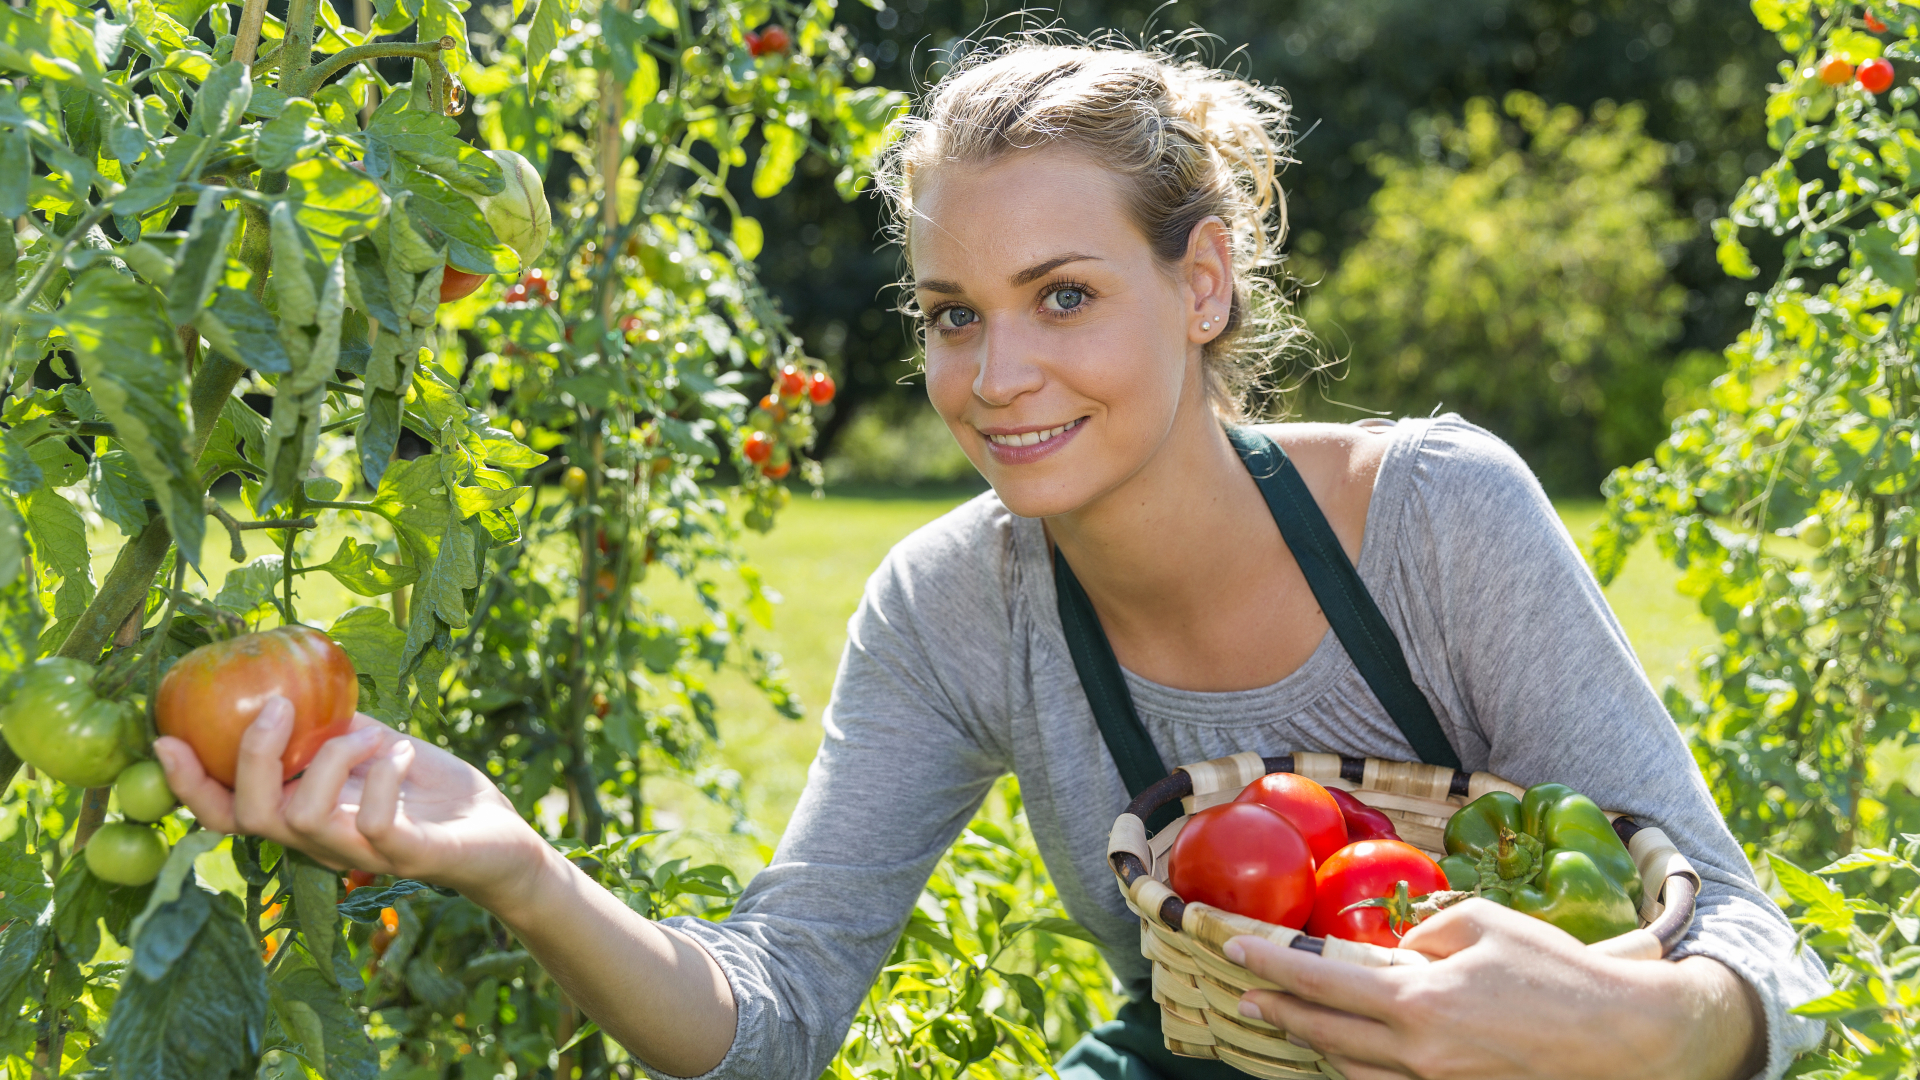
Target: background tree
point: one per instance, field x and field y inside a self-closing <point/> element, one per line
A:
<point x="1517" y="274"/>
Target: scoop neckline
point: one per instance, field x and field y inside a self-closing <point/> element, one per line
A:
<point x="1322" y="666"/>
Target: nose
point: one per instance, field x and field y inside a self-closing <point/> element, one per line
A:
<point x="1010" y="364"/>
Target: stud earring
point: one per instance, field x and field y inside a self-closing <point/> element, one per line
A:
<point x="1206" y="325"/>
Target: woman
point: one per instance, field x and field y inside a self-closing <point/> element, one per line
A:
<point x="1084" y="228"/>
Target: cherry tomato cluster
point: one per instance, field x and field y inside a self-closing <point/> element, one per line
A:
<point x="533" y="288"/>
<point x="1291" y="852"/>
<point x="1875" y="76"/>
<point x="772" y="39"/>
<point x="768" y="445"/>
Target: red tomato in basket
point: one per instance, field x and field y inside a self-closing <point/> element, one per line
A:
<point x="1306" y="806"/>
<point x="1369" y="870"/>
<point x="1244" y="858"/>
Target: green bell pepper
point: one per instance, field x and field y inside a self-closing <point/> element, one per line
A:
<point x="1552" y="855"/>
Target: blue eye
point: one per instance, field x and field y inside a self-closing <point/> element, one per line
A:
<point x="955" y="318"/>
<point x="1066" y="299"/>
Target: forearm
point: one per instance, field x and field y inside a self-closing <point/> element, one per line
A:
<point x="1723" y="1023"/>
<point x="652" y="988"/>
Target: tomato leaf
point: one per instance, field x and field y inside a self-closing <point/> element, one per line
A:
<point x="346" y="1052"/>
<point x="355" y="566"/>
<point x="291" y="137"/>
<point x="21" y="945"/>
<point x="336" y="205"/>
<point x="418" y="494"/>
<point x="208" y="1020"/>
<point x="241" y="330"/>
<point x="366" y="903"/>
<point x="24" y="889"/>
<point x="1065" y="928"/>
<point x="316" y="891"/>
<point x="1826" y="906"/>
<point x="202" y="261"/>
<point x="128" y="357"/>
<point x="119" y="491"/>
<point x="374" y="644"/>
<point x="223" y="99"/>
<point x="20" y="627"/>
<point x="430" y="144"/>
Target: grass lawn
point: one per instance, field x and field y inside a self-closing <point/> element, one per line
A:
<point x="819" y="557"/>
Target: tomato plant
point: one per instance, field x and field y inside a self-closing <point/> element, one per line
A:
<point x="1307" y="807"/>
<point x="126" y="854"/>
<point x="1245" y="858"/>
<point x="220" y="311"/>
<point x="55" y="722"/>
<point x="211" y="695"/>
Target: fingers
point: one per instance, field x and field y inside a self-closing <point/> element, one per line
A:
<point x="380" y="795"/>
<point x="257" y="779"/>
<point x="1475" y="921"/>
<point x="209" y="799"/>
<point x="1330" y="1031"/>
<point x="311" y="807"/>
<point x="1349" y="988"/>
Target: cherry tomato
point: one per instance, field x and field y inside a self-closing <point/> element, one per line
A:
<point x="1368" y="870"/>
<point x="793" y="382"/>
<point x="212" y="694"/>
<point x="126" y="854"/>
<point x="359" y="879"/>
<point x="1244" y="858"/>
<point x="1835" y="70"/>
<point x="758" y="447"/>
<point x="455" y="284"/>
<point x="1306" y="806"/>
<point x="820" y="388"/>
<point x="143" y="792"/>
<point x="601" y="706"/>
<point x="56" y="723"/>
<point x="752" y="38"/>
<point x="1876" y="76"/>
<point x="773" y="39"/>
<point x="517" y="294"/>
<point x="630" y="325"/>
<point x="606" y="581"/>
<point x="1363" y="821"/>
<point x="772" y="407"/>
<point x="776" y="471"/>
<point x="1874" y="24"/>
<point x="574" y="481"/>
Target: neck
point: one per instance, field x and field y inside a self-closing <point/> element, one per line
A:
<point x="1160" y="548"/>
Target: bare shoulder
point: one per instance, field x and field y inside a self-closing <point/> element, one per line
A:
<point x="1339" y="462"/>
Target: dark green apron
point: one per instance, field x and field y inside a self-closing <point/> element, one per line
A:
<point x="1130" y="1046"/>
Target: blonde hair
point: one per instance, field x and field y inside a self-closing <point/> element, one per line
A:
<point x="1193" y="141"/>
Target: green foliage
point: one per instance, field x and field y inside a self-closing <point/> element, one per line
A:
<point x="1787" y="502"/>
<point x="229" y="273"/>
<point x="1518" y="275"/>
<point x="981" y="984"/>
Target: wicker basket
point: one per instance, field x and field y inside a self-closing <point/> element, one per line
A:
<point x="1199" y="989"/>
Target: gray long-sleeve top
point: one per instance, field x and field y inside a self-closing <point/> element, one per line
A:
<point x="956" y="671"/>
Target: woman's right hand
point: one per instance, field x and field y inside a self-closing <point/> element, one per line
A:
<point x="373" y="799"/>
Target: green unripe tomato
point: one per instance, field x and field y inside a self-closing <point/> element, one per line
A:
<point x="1890" y="672"/>
<point x="519" y="215"/>
<point x="1853" y="621"/>
<point x="863" y="69"/>
<point x="1749" y="620"/>
<point x="1777" y="582"/>
<point x="56" y="723"/>
<point x="1815" y="534"/>
<point x="1789" y="616"/>
<point x="143" y="792"/>
<point x="126" y="854"/>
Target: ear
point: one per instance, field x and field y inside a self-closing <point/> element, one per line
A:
<point x="1209" y="280"/>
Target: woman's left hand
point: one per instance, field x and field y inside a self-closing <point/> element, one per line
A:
<point x="1509" y="997"/>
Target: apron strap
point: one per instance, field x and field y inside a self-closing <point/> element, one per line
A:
<point x="1356" y="621"/>
<point x="1348" y="606"/>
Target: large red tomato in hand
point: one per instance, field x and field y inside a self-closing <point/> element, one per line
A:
<point x="1306" y="806"/>
<point x="213" y="693"/>
<point x="1369" y="870"/>
<point x="1244" y="858"/>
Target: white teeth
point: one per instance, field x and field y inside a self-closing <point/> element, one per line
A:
<point x="1031" y="437"/>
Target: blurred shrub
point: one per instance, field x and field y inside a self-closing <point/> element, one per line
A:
<point x="1517" y="273"/>
<point x="898" y="442"/>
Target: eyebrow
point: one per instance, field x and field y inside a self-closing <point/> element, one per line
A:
<point x="1025" y="277"/>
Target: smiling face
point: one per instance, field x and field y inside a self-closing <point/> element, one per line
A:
<point x="1062" y="355"/>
